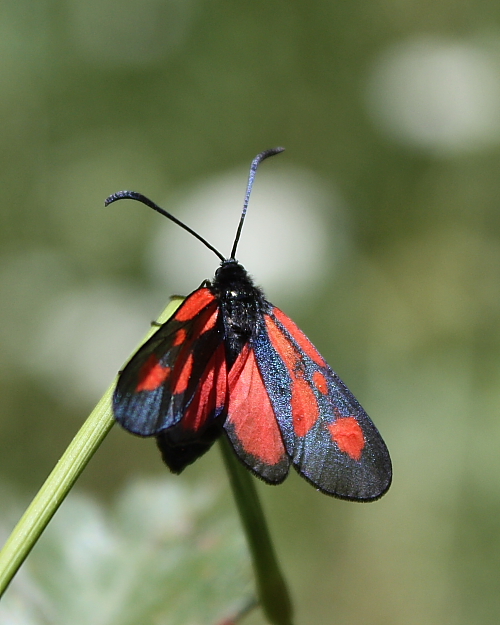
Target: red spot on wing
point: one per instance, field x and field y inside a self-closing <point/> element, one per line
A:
<point x="193" y="304"/>
<point x="184" y="362"/>
<point x="180" y="337"/>
<point x="152" y="374"/>
<point x="302" y="340"/>
<point x="282" y="345"/>
<point x="182" y="374"/>
<point x="250" y="411"/>
<point x="348" y="435"/>
<point x="211" y="395"/>
<point x="209" y="323"/>
<point x="320" y="382"/>
<point x="305" y="411"/>
<point x="205" y="322"/>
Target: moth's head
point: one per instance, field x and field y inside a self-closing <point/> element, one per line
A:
<point x="230" y="269"/>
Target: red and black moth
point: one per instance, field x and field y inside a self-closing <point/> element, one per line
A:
<point x="228" y="362"/>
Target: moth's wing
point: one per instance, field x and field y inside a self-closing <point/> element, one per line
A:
<point x="201" y="424"/>
<point x="251" y="424"/>
<point x="178" y="378"/>
<point x="329" y="437"/>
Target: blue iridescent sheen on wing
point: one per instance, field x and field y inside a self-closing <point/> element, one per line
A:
<point x="331" y="440"/>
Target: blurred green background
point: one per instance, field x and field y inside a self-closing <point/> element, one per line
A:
<point x="378" y="231"/>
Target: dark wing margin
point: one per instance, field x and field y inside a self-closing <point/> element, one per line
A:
<point x="251" y="424"/>
<point x="177" y="379"/>
<point x="329" y="437"/>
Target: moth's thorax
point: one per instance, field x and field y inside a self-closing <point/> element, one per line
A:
<point x="242" y="305"/>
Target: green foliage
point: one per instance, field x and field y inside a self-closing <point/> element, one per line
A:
<point x="161" y="552"/>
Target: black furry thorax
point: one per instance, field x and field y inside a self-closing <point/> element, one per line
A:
<point x="242" y="304"/>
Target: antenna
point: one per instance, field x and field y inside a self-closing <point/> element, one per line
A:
<point x="253" y="169"/>
<point x="133" y="195"/>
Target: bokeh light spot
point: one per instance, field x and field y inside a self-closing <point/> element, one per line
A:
<point x="437" y="94"/>
<point x="286" y="243"/>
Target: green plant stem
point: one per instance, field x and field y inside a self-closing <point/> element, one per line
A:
<point x="271" y="586"/>
<point x="54" y="490"/>
<point x="272" y="589"/>
<point x="63" y="476"/>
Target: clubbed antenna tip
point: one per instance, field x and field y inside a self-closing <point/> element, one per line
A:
<point x="253" y="169"/>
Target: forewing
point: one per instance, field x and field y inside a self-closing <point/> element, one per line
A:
<point x="331" y="440"/>
<point x="251" y="424"/>
<point x="172" y="374"/>
<point x="201" y="424"/>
